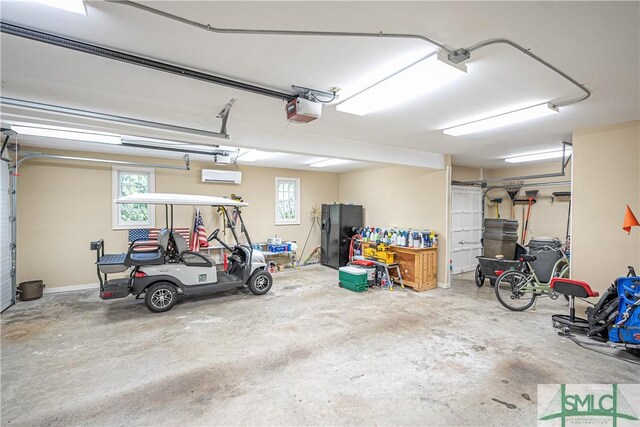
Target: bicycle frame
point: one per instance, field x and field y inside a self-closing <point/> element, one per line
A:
<point x="561" y="266"/>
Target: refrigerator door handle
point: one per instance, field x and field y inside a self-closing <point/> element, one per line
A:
<point x="328" y="225"/>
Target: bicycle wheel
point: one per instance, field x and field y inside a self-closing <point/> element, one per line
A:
<point x="509" y="291"/>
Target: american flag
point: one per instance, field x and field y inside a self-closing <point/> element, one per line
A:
<point x="199" y="237"/>
<point x="144" y="235"/>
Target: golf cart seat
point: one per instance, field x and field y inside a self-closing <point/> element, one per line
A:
<point x="138" y="255"/>
<point x="164" y="240"/>
<point x="144" y="254"/>
<point x="190" y="259"/>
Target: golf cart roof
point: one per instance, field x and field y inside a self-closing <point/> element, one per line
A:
<point x="178" y="199"/>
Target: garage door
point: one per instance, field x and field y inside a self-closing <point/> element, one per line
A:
<point x="466" y="228"/>
<point x="6" y="292"/>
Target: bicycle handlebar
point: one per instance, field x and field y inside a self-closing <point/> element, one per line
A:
<point x="550" y="248"/>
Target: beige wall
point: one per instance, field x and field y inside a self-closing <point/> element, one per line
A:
<point x="547" y="218"/>
<point x="62" y="206"/>
<point x="606" y="178"/>
<point x="463" y="173"/>
<point x="402" y="197"/>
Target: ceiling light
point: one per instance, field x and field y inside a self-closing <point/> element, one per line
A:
<point x="539" y="156"/>
<point x="255" y="155"/>
<point x="409" y="83"/>
<point x="517" y="116"/>
<point x="67" y="134"/>
<point x="330" y="162"/>
<point x="75" y="6"/>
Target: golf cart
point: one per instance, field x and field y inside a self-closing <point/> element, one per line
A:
<point x="162" y="270"/>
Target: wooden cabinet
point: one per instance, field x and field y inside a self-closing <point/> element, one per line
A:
<point x="418" y="266"/>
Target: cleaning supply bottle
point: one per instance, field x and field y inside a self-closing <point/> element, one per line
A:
<point x="410" y="239"/>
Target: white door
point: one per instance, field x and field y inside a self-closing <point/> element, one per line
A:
<point x="466" y="228"/>
<point x="6" y="291"/>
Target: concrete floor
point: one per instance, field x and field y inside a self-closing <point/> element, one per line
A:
<point x="306" y="353"/>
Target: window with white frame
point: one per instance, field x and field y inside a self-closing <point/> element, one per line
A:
<point x="287" y="201"/>
<point x="126" y="181"/>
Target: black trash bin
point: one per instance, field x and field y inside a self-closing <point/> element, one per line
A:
<point x="545" y="258"/>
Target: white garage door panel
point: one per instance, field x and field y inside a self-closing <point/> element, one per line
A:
<point x="6" y="292"/>
<point x="466" y="228"/>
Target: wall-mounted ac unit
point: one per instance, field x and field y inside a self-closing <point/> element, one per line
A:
<point x="221" y="176"/>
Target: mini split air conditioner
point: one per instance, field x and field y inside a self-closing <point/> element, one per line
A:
<point x="221" y="176"/>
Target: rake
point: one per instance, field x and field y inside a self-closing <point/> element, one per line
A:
<point x="513" y="189"/>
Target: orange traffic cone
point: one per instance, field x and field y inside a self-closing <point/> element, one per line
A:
<point x="630" y="220"/>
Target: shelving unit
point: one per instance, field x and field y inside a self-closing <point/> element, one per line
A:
<point x="418" y="266"/>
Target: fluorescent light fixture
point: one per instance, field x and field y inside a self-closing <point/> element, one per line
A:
<point x="75" y="6"/>
<point x="513" y="117"/>
<point x="538" y="156"/>
<point x="255" y="155"/>
<point x="330" y="162"/>
<point x="411" y="82"/>
<point x="67" y="134"/>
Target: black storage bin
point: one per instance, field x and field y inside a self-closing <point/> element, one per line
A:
<point x="545" y="258"/>
<point x="504" y="247"/>
<point x="492" y="233"/>
<point x="501" y="224"/>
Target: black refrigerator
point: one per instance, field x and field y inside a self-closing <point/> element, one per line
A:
<point x="338" y="221"/>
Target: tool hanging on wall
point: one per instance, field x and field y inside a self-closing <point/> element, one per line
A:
<point x="564" y="196"/>
<point x="513" y="189"/>
<point x="497" y="203"/>
<point x="224" y="220"/>
<point x="531" y="197"/>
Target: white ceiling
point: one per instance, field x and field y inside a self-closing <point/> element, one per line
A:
<point x="597" y="43"/>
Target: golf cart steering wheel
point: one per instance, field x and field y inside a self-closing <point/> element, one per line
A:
<point x="213" y="235"/>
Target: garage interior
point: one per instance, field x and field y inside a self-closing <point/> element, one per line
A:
<point x="318" y="213"/>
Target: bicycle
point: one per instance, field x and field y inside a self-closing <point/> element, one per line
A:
<point x="518" y="289"/>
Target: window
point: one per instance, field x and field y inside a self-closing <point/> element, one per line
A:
<point x="126" y="181"/>
<point x="287" y="201"/>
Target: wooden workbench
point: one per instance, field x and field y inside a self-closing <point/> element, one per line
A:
<point x="418" y="266"/>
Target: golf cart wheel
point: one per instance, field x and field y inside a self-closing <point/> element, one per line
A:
<point x="161" y="297"/>
<point x="260" y="282"/>
<point x="479" y="277"/>
<point x="340" y="284"/>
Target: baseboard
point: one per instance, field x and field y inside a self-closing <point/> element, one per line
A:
<point x="444" y="285"/>
<point x="71" y="288"/>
